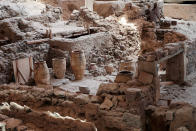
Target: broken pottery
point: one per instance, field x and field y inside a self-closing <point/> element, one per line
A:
<point x="78" y="64"/>
<point x="59" y="67"/>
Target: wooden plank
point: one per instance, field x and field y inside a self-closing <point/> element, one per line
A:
<point x="23" y="70"/>
<point x="169" y="56"/>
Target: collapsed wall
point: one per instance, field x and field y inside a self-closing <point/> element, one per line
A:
<point x="17" y="117"/>
<point x="176" y="117"/>
<point x="67" y="6"/>
<point x="115" y="107"/>
<point x="118" y="105"/>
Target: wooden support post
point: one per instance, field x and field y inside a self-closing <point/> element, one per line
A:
<point x="176" y="68"/>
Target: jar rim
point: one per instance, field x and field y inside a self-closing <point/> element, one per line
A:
<point x="77" y="51"/>
<point x="59" y="58"/>
<point x="39" y="62"/>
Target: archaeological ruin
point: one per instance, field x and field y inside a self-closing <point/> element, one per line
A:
<point x="97" y="65"/>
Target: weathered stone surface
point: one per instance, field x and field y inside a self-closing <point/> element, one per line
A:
<point x="108" y="88"/>
<point x="132" y="94"/>
<point x="96" y="99"/>
<point x="91" y="110"/>
<point x="149" y="67"/>
<point x="49" y="120"/>
<point x="134" y="82"/>
<point x="87" y="43"/>
<point x="3" y="117"/>
<point x="107" y="8"/>
<point x="82" y="99"/>
<point x="107" y="104"/>
<point x="123" y="87"/>
<point x="12" y="123"/>
<point x="173" y="37"/>
<point x="123" y="77"/>
<point x="59" y="93"/>
<point x="84" y="90"/>
<point x="132" y="120"/>
<point x="145" y="78"/>
<point x="176" y="116"/>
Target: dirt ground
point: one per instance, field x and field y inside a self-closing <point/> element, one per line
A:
<point x="178" y="93"/>
<point x="187" y="12"/>
<point x="181" y="11"/>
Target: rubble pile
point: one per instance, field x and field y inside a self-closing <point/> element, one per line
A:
<point x="177" y="117"/>
<point x="115" y="106"/>
<point x="135" y="33"/>
<point x="20" y="118"/>
<point x="21" y="20"/>
<point x="126" y="39"/>
<point x="67" y="6"/>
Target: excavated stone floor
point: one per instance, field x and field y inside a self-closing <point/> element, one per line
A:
<point x="178" y="93"/>
<point x="180" y="11"/>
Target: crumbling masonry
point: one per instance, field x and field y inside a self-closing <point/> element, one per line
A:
<point x="130" y="40"/>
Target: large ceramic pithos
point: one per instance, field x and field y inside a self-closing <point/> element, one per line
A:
<point x="123" y="77"/>
<point x="41" y="73"/>
<point x="59" y="67"/>
<point x="78" y="64"/>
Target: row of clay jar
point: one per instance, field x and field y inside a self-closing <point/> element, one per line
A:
<point x="78" y="65"/>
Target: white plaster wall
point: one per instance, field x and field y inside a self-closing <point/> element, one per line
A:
<point x="89" y="4"/>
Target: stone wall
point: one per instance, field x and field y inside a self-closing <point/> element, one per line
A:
<point x="21" y="118"/>
<point x="117" y="106"/>
<point x="67" y="6"/>
<point x="88" y="43"/>
<point x="151" y="10"/>
<point x="11" y="52"/>
<point x="175" y="117"/>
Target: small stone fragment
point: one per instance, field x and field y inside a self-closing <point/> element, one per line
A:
<point x="12" y="123"/>
<point x="84" y="90"/>
<point x="109" y="69"/>
<point x="107" y="104"/>
<point x="145" y="78"/>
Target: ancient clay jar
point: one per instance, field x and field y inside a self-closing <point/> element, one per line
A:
<point x="41" y="73"/>
<point x="78" y="64"/>
<point x="59" y="67"/>
<point x="123" y="77"/>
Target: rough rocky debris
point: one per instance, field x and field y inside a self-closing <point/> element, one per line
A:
<point x="31" y="119"/>
<point x="179" y="114"/>
<point x="66" y="6"/>
<point x="126" y="39"/>
<point x="104" y="107"/>
<point x="21" y="22"/>
<point x="117" y="106"/>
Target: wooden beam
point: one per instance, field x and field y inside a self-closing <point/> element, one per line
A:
<point x="169" y="56"/>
